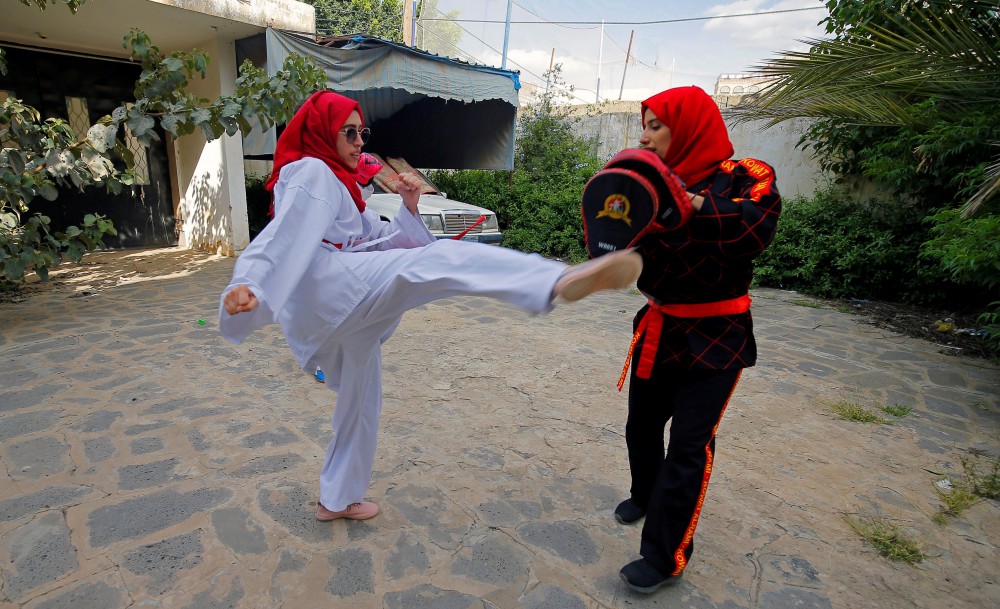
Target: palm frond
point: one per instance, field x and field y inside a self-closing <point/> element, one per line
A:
<point x="989" y="189"/>
<point x="872" y="80"/>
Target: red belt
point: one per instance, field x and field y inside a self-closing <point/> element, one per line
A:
<point x="652" y="324"/>
<point x="336" y="245"/>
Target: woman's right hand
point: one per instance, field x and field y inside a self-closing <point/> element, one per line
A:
<point x="239" y="300"/>
<point x="409" y="188"/>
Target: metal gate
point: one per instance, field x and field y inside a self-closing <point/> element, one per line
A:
<point x="82" y="90"/>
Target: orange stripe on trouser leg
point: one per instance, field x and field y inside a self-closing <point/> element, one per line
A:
<point x="679" y="559"/>
<point x="628" y="358"/>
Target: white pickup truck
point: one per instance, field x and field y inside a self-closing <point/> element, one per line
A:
<point x="444" y="217"/>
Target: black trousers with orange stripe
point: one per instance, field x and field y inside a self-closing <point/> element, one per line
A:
<point x="671" y="483"/>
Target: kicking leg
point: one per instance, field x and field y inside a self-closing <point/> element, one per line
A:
<point x="609" y="272"/>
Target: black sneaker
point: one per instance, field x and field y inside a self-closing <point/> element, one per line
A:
<point x="643" y="577"/>
<point x="628" y="512"/>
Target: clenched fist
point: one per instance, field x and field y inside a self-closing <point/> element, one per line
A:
<point x="409" y="188"/>
<point x="239" y="300"/>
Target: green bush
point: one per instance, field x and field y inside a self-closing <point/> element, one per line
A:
<point x="547" y="213"/>
<point x="968" y="249"/>
<point x="991" y="324"/>
<point x="940" y="162"/>
<point x="535" y="215"/>
<point x="832" y="248"/>
<point x="258" y="203"/>
<point x="537" y="204"/>
<point x="485" y="188"/>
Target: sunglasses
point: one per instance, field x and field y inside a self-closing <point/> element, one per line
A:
<point x="352" y="134"/>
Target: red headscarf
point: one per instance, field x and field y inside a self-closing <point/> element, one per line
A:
<point x="313" y="132"/>
<point x="699" y="139"/>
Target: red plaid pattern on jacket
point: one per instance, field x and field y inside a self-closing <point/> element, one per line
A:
<point x="708" y="260"/>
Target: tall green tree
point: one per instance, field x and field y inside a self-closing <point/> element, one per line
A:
<point x="906" y="92"/>
<point x="379" y="18"/>
<point x="437" y="31"/>
<point x="40" y="157"/>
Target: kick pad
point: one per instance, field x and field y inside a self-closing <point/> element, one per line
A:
<point x="634" y="194"/>
<point x="618" y="206"/>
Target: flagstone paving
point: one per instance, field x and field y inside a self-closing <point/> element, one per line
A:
<point x="148" y="463"/>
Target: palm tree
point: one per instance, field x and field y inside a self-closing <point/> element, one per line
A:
<point x="877" y="74"/>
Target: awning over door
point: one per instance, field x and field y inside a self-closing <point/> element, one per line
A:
<point x="434" y="111"/>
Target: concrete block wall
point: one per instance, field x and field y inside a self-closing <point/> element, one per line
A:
<point x="798" y="172"/>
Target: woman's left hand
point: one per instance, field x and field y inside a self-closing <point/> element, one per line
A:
<point x="409" y="188"/>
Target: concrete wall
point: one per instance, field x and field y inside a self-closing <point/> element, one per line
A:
<point x="212" y="212"/>
<point x="278" y="14"/>
<point x="798" y="173"/>
<point x="613" y="126"/>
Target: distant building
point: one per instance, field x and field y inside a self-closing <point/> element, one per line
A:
<point x="731" y="88"/>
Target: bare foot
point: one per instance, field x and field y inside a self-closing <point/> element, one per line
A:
<point x="609" y="272"/>
<point x="363" y="510"/>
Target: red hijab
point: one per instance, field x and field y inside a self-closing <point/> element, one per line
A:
<point x="699" y="139"/>
<point x="313" y="132"/>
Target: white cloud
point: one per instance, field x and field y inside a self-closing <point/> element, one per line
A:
<point x="762" y="31"/>
<point x="671" y="54"/>
<point x="575" y="70"/>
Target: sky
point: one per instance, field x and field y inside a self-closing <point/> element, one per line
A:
<point x="692" y="51"/>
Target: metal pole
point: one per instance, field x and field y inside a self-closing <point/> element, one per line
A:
<point x="413" y="24"/>
<point x="600" y="58"/>
<point x="627" y="54"/>
<point x="548" y="75"/>
<point x="506" y="36"/>
<point x="407" y="24"/>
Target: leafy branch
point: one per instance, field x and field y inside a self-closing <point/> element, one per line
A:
<point x="39" y="157"/>
<point x="161" y="95"/>
<point x="73" y="5"/>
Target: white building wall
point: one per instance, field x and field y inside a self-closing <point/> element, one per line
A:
<point x="798" y="174"/>
<point x="212" y="213"/>
<point x="207" y="177"/>
<point x="731" y="88"/>
<point x="279" y="14"/>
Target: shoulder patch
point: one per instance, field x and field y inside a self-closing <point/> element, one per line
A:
<point x="758" y="169"/>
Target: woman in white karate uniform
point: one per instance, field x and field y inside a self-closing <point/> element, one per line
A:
<point x="338" y="279"/>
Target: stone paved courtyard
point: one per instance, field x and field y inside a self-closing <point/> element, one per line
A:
<point x="148" y="463"/>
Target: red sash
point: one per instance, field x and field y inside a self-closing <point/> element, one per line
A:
<point x="652" y="324"/>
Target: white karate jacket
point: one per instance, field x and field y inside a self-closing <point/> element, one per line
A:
<point x="293" y="269"/>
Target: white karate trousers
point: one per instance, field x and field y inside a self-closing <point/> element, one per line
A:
<point x="399" y="280"/>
